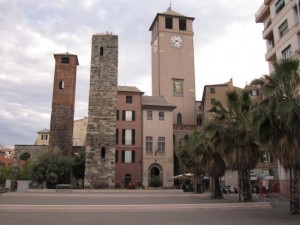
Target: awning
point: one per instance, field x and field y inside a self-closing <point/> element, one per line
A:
<point x="187" y="176"/>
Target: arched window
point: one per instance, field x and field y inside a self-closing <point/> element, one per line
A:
<point x="101" y="51"/>
<point x="103" y="152"/>
<point x="179" y="118"/>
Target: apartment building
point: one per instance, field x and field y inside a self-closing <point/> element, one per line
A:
<point x="281" y="29"/>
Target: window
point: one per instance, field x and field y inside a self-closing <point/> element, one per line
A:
<point x="199" y="120"/>
<point x="103" y="152"/>
<point x="117" y="136"/>
<point x="128" y="115"/>
<point x="149" y="115"/>
<point x="128" y="137"/>
<point x="266" y="156"/>
<point x="61" y="84"/>
<point x="178" y="87"/>
<point x="182" y="24"/>
<point x="128" y="156"/>
<point x="279" y="5"/>
<point x="283" y="28"/>
<point x="149" y="144"/>
<point x="129" y="99"/>
<point x="65" y="60"/>
<point x="212" y="100"/>
<point x="179" y="118"/>
<point x="169" y="23"/>
<point x="101" y="51"/>
<point x="161" y="144"/>
<point x="117" y="114"/>
<point x="117" y="156"/>
<point x="212" y="90"/>
<point x="161" y="115"/>
<point x="254" y="92"/>
<point x="287" y="52"/>
<point x="44" y="137"/>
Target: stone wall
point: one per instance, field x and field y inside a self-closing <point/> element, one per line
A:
<point x="101" y="141"/>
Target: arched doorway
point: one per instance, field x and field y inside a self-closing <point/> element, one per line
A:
<point x="25" y="156"/>
<point x="155" y="175"/>
<point x="127" y="180"/>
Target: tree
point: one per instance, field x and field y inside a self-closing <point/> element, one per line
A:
<point x="25" y="171"/>
<point x="277" y="120"/>
<point x="212" y="162"/>
<point x="53" y="168"/>
<point x="5" y="173"/>
<point x="231" y="131"/>
<point x="199" y="156"/>
<point x="78" y="164"/>
<point x="190" y="159"/>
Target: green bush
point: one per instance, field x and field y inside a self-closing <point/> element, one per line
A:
<point x="155" y="182"/>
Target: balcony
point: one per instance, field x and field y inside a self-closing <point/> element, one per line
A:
<point x="262" y="12"/>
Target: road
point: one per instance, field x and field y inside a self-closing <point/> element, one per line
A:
<point x="138" y="208"/>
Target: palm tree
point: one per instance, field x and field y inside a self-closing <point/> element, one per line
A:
<point x="190" y="162"/>
<point x="212" y="162"/>
<point x="198" y="155"/>
<point x="231" y="131"/>
<point x="278" y="120"/>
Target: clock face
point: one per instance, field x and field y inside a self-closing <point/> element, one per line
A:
<point x="155" y="45"/>
<point x="176" y="41"/>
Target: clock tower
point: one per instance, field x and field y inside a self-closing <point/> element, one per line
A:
<point x="173" y="73"/>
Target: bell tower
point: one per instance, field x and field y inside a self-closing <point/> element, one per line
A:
<point x="173" y="73"/>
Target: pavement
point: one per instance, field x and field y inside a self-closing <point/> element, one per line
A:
<point x="138" y="207"/>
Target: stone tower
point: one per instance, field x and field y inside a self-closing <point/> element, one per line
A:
<point x="63" y="103"/>
<point x="101" y="130"/>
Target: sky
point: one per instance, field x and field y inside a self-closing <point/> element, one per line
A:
<point x="227" y="41"/>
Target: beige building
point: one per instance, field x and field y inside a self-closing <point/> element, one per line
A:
<point x="215" y="92"/>
<point x="281" y="28"/>
<point x="42" y="137"/>
<point x="158" y="159"/>
<point x="79" y="131"/>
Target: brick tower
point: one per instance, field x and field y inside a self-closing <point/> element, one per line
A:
<point x="63" y="102"/>
<point x="101" y="130"/>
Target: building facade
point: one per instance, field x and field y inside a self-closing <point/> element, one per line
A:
<point x="158" y="155"/>
<point x="281" y="29"/>
<point x="128" y="155"/>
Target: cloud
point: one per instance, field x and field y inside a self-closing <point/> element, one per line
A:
<point x="32" y="31"/>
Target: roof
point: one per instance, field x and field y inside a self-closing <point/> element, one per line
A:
<point x="44" y="131"/>
<point x="170" y="12"/>
<point x="156" y="102"/>
<point x="129" y="89"/>
<point x="67" y="54"/>
<point x="6" y="161"/>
